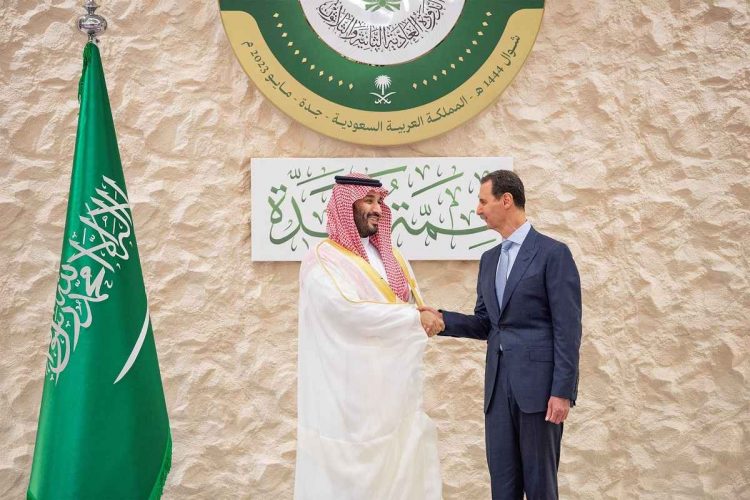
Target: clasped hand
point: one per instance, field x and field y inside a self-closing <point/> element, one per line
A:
<point x="432" y="320"/>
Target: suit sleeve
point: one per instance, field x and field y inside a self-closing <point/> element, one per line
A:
<point x="473" y="326"/>
<point x="564" y="295"/>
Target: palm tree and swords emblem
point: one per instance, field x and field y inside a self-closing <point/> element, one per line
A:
<point x="383" y="82"/>
<point x="374" y="5"/>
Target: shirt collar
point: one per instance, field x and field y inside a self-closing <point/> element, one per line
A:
<point x="519" y="235"/>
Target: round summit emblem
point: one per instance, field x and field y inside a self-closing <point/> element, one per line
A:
<point x="382" y="32"/>
<point x="382" y="72"/>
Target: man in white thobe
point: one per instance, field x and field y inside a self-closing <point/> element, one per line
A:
<point x="362" y="432"/>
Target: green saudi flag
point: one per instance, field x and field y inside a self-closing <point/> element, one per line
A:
<point x="103" y="427"/>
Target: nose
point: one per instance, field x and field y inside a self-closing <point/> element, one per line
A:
<point x="376" y="209"/>
<point x="479" y="209"/>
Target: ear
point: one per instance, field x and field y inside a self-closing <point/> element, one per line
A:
<point x="507" y="200"/>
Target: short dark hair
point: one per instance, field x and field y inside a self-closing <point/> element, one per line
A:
<point x="506" y="181"/>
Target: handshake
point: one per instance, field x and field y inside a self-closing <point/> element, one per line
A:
<point x="432" y="320"/>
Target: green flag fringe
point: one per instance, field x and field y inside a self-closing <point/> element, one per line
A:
<point x="161" y="478"/>
<point x="166" y="465"/>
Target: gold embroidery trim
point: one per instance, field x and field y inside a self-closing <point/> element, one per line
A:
<point x="409" y="278"/>
<point x="366" y="268"/>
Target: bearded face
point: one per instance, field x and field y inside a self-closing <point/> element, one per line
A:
<point x="367" y="212"/>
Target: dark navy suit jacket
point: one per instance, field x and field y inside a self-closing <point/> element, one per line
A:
<point x="538" y="328"/>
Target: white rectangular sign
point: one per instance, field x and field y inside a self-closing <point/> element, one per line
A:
<point x="433" y="202"/>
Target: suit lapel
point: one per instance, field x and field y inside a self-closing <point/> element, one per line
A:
<point x="523" y="259"/>
<point x="490" y="294"/>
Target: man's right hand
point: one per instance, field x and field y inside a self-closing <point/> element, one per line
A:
<point x="432" y="310"/>
<point x="432" y="321"/>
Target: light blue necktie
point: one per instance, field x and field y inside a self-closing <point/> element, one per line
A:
<point x="502" y="272"/>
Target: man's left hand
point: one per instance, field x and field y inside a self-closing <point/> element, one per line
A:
<point x="557" y="410"/>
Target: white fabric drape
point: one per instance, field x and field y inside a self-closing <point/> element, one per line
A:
<point x="362" y="431"/>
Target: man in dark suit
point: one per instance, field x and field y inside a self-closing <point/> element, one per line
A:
<point x="529" y="311"/>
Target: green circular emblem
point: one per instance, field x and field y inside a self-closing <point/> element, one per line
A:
<point x="382" y="72"/>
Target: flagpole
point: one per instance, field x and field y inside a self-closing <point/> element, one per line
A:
<point x="92" y="24"/>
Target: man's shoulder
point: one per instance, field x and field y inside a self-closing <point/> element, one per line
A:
<point x="317" y="254"/>
<point x="323" y="262"/>
<point x="548" y="242"/>
<point x="552" y="248"/>
<point x="307" y="264"/>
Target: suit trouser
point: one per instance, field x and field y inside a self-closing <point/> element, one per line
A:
<point x="523" y="450"/>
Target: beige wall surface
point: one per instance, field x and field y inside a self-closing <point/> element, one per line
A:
<point x="629" y="126"/>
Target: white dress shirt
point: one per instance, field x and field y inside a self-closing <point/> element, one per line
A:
<point x="518" y="237"/>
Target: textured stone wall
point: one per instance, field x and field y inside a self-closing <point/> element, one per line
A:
<point x="629" y="126"/>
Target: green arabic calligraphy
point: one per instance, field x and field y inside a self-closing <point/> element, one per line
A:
<point x="432" y="217"/>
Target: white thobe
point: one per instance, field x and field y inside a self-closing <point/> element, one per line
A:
<point x="373" y="255"/>
<point x="362" y="432"/>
